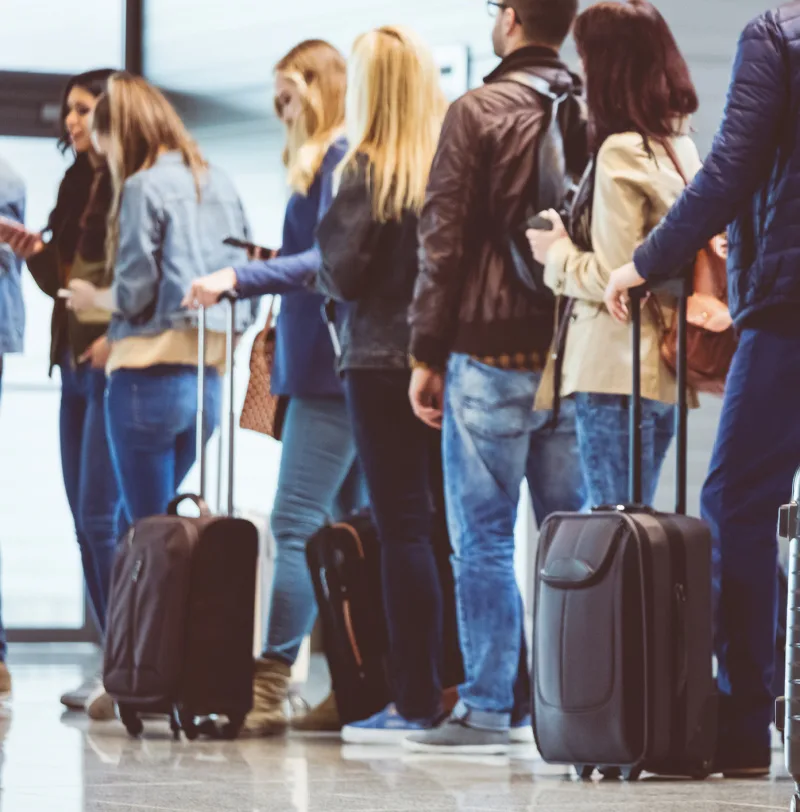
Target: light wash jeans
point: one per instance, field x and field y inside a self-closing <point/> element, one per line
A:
<point x="492" y="440"/>
<point x="319" y="480"/>
<point x="603" y="441"/>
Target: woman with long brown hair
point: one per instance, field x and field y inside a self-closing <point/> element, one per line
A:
<point x="73" y="246"/>
<point x="170" y="213"/>
<point x="319" y="478"/>
<point x="640" y="96"/>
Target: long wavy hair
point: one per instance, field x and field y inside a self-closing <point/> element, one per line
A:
<point x="141" y="124"/>
<point x="395" y="108"/>
<point x="319" y="73"/>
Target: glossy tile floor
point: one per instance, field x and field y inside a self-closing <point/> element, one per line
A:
<point x="64" y="763"/>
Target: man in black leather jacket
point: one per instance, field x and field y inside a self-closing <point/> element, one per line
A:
<point x="750" y="184"/>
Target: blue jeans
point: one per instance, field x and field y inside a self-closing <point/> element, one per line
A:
<point x="152" y="424"/>
<point x="755" y="456"/>
<point x="492" y="440"/>
<point x="399" y="454"/>
<point x="319" y="480"/>
<point x="603" y="438"/>
<point x="89" y="479"/>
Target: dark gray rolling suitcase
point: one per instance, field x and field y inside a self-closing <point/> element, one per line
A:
<point x="622" y="669"/>
<point x="182" y="608"/>
<point x="787" y="716"/>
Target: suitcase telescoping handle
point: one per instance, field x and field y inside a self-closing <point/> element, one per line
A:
<point x="230" y="341"/>
<point x="681" y="289"/>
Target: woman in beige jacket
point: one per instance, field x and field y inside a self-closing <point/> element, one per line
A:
<point x="639" y="96"/>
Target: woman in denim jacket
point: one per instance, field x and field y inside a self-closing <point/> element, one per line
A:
<point x="170" y="213"/>
<point x="318" y="478"/>
<point x="80" y="349"/>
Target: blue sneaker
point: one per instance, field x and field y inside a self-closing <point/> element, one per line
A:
<point x="385" y="727"/>
<point x="521" y="732"/>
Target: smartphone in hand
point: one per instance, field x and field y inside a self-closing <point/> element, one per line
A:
<point x="539" y="223"/>
<point x="254" y="251"/>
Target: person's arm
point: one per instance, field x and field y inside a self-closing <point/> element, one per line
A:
<point x="740" y="158"/>
<point x="448" y="213"/>
<point x="284" y="274"/>
<point x="347" y="239"/>
<point x="618" y="223"/>
<point x="136" y="269"/>
<point x="14" y="209"/>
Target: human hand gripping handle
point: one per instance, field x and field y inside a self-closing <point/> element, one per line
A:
<point x="543" y="231"/>
<point x="616" y="296"/>
<point x="22" y="242"/>
<point x="208" y="290"/>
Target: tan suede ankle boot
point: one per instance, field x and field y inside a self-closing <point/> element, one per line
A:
<point x="270" y="691"/>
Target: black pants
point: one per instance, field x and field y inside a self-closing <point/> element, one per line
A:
<point x="402" y="463"/>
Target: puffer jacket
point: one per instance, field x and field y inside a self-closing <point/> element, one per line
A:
<point x="467" y="298"/>
<point x="750" y="182"/>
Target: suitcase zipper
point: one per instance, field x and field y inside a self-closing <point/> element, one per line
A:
<point x="348" y="618"/>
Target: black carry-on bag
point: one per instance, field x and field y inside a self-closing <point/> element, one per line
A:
<point x="345" y="565"/>
<point x="787" y="716"/>
<point x="623" y="630"/>
<point x="182" y="606"/>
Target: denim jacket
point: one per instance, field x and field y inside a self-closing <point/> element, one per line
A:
<point x="167" y="239"/>
<point x="12" y="309"/>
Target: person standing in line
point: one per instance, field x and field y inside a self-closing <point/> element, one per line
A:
<point x="635" y="125"/>
<point x="80" y="349"/>
<point x="368" y="239"/>
<point x="479" y="340"/>
<point x="319" y="476"/>
<point x="170" y="214"/>
<point x="12" y="322"/>
<point x="750" y="183"/>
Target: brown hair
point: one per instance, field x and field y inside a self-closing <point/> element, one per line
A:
<point x="545" y="22"/>
<point x="636" y="77"/>
<point x="319" y="72"/>
<point x="141" y="124"/>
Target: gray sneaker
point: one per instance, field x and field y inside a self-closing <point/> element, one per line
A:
<point x="76" y="700"/>
<point x="455" y="737"/>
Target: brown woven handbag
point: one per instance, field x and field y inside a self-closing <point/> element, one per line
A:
<point x="262" y="411"/>
<point x="711" y="339"/>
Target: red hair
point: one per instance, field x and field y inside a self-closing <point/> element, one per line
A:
<point x="636" y="77"/>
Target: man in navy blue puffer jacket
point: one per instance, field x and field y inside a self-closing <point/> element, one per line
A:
<point x="751" y="184"/>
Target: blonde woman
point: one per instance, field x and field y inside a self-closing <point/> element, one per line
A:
<point x="368" y="240"/>
<point x="170" y="213"/>
<point x="318" y="478"/>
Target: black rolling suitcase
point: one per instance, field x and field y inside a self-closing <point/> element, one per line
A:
<point x="622" y="677"/>
<point x="344" y="561"/>
<point x="182" y="608"/>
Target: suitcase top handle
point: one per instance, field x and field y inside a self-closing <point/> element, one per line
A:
<point x="172" y="508"/>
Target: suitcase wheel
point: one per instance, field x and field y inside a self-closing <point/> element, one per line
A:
<point x="188" y="726"/>
<point x="631" y="773"/>
<point x="611" y="773"/>
<point x="133" y="724"/>
<point x="585" y="771"/>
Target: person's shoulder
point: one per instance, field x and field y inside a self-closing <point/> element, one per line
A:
<point x="627" y="147"/>
<point x="335" y="153"/>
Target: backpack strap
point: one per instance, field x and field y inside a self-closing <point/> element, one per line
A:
<point x="538" y="84"/>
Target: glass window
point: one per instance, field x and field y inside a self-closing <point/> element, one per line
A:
<point x="40" y="564"/>
<point x="45" y="36"/>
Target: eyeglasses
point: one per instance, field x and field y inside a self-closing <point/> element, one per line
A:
<point x="494" y="8"/>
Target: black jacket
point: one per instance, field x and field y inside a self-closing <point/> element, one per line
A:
<point x="750" y="182"/>
<point x="373" y="266"/>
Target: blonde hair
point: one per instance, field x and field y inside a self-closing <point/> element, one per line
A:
<point x="395" y="107"/>
<point x="319" y="72"/>
<point x="141" y="124"/>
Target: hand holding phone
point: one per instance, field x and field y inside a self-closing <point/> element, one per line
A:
<point x="23" y="243"/>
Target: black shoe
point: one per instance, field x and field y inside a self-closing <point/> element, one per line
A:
<point x="743" y="765"/>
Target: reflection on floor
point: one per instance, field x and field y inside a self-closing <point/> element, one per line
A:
<point x="61" y="763"/>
